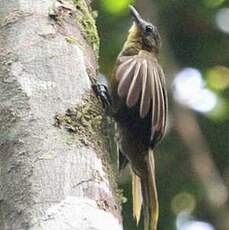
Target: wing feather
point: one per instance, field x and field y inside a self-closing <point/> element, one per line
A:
<point x="125" y="79"/>
<point x="135" y="86"/>
<point x="141" y="79"/>
<point x="162" y="108"/>
<point x="153" y="97"/>
<point x="124" y="58"/>
<point x="145" y="97"/>
<point x="122" y="68"/>
<point x="158" y="98"/>
<point x="165" y="99"/>
<point x="159" y="114"/>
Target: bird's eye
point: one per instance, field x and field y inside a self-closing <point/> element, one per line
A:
<point x="149" y="29"/>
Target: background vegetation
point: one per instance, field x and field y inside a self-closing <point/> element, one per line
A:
<point x="193" y="160"/>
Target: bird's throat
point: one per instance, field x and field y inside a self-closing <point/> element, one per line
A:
<point x="133" y="43"/>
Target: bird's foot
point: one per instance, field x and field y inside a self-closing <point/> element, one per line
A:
<point x="101" y="91"/>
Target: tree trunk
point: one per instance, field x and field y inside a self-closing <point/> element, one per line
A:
<point x="54" y="173"/>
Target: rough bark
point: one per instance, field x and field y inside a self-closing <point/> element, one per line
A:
<point x="50" y="178"/>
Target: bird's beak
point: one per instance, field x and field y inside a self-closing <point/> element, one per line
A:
<point x="137" y="18"/>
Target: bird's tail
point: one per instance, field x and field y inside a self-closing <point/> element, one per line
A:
<point x="144" y="192"/>
<point x="136" y="196"/>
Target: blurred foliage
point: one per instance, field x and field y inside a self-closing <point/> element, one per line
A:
<point x="217" y="78"/>
<point x="116" y="7"/>
<point x="190" y="30"/>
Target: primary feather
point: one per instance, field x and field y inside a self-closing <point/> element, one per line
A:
<point x="141" y="80"/>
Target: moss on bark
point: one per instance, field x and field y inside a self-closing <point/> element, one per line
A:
<point x="86" y="21"/>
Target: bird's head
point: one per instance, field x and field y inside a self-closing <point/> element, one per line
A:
<point x="149" y="33"/>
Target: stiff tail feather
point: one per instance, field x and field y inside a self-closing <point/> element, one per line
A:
<point x="136" y="196"/>
<point x="149" y="193"/>
<point x="144" y="192"/>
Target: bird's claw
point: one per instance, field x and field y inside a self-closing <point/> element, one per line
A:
<point x="101" y="91"/>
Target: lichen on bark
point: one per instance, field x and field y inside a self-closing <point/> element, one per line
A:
<point x="89" y="123"/>
<point x="86" y="120"/>
<point x="42" y="77"/>
<point x="87" y="25"/>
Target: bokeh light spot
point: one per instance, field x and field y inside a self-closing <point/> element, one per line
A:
<point x="183" y="202"/>
<point x="190" y="90"/>
<point x="188" y="82"/>
<point x="185" y="222"/>
<point x="116" y="6"/>
<point x="218" y="78"/>
<point x="204" y="102"/>
<point x="222" y="19"/>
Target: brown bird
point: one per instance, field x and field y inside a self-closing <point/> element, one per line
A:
<point x="137" y="100"/>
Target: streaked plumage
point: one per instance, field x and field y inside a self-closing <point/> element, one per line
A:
<point x="141" y="79"/>
<point x="139" y="106"/>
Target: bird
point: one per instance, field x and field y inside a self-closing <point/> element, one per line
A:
<point x="135" y="96"/>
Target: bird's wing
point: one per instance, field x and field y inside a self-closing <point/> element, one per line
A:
<point x="141" y="80"/>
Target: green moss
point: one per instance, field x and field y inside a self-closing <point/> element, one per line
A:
<point x="91" y="75"/>
<point x="85" y="18"/>
<point x="87" y="24"/>
<point x="71" y="39"/>
<point x="88" y="123"/>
